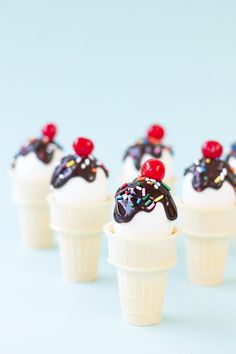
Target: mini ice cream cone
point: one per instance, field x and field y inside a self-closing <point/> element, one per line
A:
<point x="79" y="208"/>
<point x="142" y="243"/>
<point x="79" y="228"/>
<point x="30" y="176"/>
<point x="142" y="267"/>
<point x="207" y="232"/>
<point x="207" y="214"/>
<point x="30" y="198"/>
<point x="149" y="147"/>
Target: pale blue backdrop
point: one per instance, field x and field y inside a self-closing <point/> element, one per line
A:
<point x="106" y="70"/>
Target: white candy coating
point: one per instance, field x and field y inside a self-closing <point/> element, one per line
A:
<point x="144" y="224"/>
<point x="129" y="172"/>
<point x="77" y="190"/>
<point x="29" y="167"/>
<point x="208" y="198"/>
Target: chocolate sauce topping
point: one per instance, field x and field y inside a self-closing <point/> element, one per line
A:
<point x="75" y="166"/>
<point x="142" y="147"/>
<point x="142" y="195"/>
<point x="232" y="153"/>
<point x="43" y="149"/>
<point x="211" y="173"/>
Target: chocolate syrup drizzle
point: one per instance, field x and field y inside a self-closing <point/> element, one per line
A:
<point x="75" y="166"/>
<point x="142" y="195"/>
<point x="232" y="153"/>
<point x="211" y="173"/>
<point x="43" y="149"/>
<point x="142" y="147"/>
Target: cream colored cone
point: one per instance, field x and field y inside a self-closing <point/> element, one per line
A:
<point x="142" y="266"/>
<point x="207" y="232"/>
<point x="79" y="228"/>
<point x="142" y="296"/>
<point x="206" y="259"/>
<point x="80" y="256"/>
<point x="30" y="197"/>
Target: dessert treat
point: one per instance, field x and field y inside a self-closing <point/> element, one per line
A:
<point x="79" y="207"/>
<point x="231" y="157"/>
<point x="142" y="243"/>
<point x="208" y="214"/>
<point x="30" y="175"/>
<point x="148" y="148"/>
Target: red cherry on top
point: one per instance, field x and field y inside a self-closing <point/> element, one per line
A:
<point x="83" y="147"/>
<point x="49" y="130"/>
<point x="154" y="169"/>
<point x="155" y="133"/>
<point x="212" y="149"/>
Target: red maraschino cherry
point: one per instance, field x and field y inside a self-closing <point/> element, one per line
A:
<point x="212" y="149"/>
<point x="49" y="130"/>
<point x="154" y="169"/>
<point x="83" y="147"/>
<point x="155" y="133"/>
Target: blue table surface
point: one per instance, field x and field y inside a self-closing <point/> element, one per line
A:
<point x="41" y="313"/>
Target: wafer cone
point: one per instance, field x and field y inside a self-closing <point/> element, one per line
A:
<point x="79" y="228"/>
<point x="30" y="198"/>
<point x="207" y="232"/>
<point x="142" y="266"/>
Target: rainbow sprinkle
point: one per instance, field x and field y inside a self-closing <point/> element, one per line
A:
<point x="148" y="202"/>
<point x="70" y="163"/>
<point x="217" y="179"/>
<point x="159" y="198"/>
<point x="138" y="201"/>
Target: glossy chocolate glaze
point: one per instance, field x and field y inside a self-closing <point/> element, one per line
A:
<point x="43" y="149"/>
<point x="138" y="150"/>
<point x="211" y="173"/>
<point x="142" y="195"/>
<point x="74" y="166"/>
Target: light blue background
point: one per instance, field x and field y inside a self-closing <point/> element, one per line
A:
<point x="106" y="70"/>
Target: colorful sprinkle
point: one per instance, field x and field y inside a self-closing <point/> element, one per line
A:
<point x="94" y="170"/>
<point x="159" y="198"/>
<point x="143" y="192"/>
<point x="138" y="201"/>
<point x="119" y="197"/>
<point x="208" y="160"/>
<point x="70" y="163"/>
<point x="148" y="202"/>
<point x="141" y="178"/>
<point x="151" y="206"/>
<point x="165" y="186"/>
<point x="139" y="188"/>
<point x="146" y="197"/>
<point x="131" y="205"/>
<point x="217" y="179"/>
